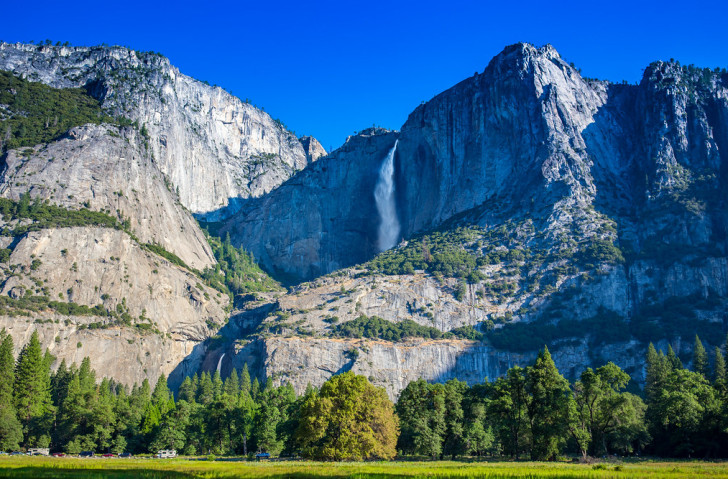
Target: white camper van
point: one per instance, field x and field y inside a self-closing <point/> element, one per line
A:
<point x="166" y="453"/>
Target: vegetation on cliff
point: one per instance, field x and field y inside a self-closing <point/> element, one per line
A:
<point x="32" y="113"/>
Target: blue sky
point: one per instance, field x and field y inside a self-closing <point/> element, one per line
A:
<point x="328" y="69"/>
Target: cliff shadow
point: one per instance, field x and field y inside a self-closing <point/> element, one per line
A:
<point x="227" y="349"/>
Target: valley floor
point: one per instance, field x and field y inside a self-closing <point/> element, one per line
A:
<point x="42" y="467"/>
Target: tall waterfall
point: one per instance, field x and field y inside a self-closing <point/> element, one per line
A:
<point x="384" y="197"/>
<point x="219" y="363"/>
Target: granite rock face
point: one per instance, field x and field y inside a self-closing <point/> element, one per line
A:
<point x="322" y="219"/>
<point x="105" y="168"/>
<point x="561" y="164"/>
<point x="212" y="147"/>
<point x="313" y="148"/>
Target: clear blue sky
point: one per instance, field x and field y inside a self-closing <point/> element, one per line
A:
<point x="329" y="68"/>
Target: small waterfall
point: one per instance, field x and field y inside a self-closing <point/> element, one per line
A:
<point x="384" y="197"/>
<point x="219" y="363"/>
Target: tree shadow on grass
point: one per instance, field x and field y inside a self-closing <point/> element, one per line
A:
<point x="54" y="473"/>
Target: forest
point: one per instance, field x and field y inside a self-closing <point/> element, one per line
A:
<point x="532" y="412"/>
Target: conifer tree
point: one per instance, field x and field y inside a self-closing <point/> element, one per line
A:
<point x="232" y="384"/>
<point x="719" y="372"/>
<point x="245" y="384"/>
<point x="673" y="359"/>
<point x="549" y="406"/>
<point x="700" y="358"/>
<point x="186" y="390"/>
<point x="33" y="393"/>
<point x="11" y="431"/>
<point x="205" y="390"/>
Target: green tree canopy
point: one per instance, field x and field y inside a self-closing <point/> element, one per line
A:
<point x="348" y="419"/>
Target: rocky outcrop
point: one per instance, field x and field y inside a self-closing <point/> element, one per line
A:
<point x="313" y="148"/>
<point x="161" y="310"/>
<point x="213" y="147"/>
<point x="106" y="168"/>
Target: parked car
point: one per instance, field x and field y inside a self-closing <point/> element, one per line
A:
<point x="86" y="454"/>
<point x="59" y="454"/>
<point x="3" y="453"/>
<point x="109" y="454"/>
<point x="17" y="453"/>
<point x="125" y="454"/>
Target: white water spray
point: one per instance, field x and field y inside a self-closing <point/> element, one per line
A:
<point x="219" y="362"/>
<point x="384" y="197"/>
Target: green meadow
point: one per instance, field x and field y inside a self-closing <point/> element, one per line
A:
<point x="43" y="467"/>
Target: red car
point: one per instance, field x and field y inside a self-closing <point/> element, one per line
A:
<point x="59" y="454"/>
<point x="109" y="454"/>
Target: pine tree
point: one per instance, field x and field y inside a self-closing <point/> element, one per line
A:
<point x="700" y="358"/>
<point x="186" y="390"/>
<point x="549" y="406"/>
<point x="161" y="394"/>
<point x="33" y="393"/>
<point x="673" y="359"/>
<point x="216" y="385"/>
<point x="245" y="379"/>
<point x="232" y="385"/>
<point x="719" y="375"/>
<point x="205" y="391"/>
<point x="255" y="389"/>
<point x="11" y="431"/>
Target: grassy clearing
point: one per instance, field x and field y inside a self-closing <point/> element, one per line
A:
<point x="40" y="467"/>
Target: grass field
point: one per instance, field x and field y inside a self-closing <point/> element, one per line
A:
<point x="42" y="467"/>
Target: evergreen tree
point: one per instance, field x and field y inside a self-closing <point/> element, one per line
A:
<point x="255" y="389"/>
<point x="171" y="433"/>
<point x="548" y="409"/>
<point x="719" y="372"/>
<point x="232" y="384"/>
<point x="245" y="384"/>
<point x="11" y="431"/>
<point x="672" y="358"/>
<point x="33" y="394"/>
<point x="216" y="385"/>
<point x="161" y="395"/>
<point x="205" y="390"/>
<point x="700" y="358"/>
<point x="187" y="390"/>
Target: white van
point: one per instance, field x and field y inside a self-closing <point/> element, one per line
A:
<point x="166" y="453"/>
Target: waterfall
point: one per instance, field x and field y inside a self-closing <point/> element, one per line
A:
<point x="384" y="197"/>
<point x="219" y="363"/>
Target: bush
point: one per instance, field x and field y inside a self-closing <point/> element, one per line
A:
<point x="377" y="328"/>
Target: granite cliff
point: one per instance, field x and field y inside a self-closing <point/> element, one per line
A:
<point x="537" y="206"/>
<point x="212" y="147"/>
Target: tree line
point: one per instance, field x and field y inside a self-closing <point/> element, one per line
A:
<point x="531" y="412"/>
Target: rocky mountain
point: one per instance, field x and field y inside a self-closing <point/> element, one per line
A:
<point x="213" y="148"/>
<point x="531" y="206"/>
<point x="537" y="207"/>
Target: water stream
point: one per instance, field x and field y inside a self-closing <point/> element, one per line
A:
<point x="384" y="197"/>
